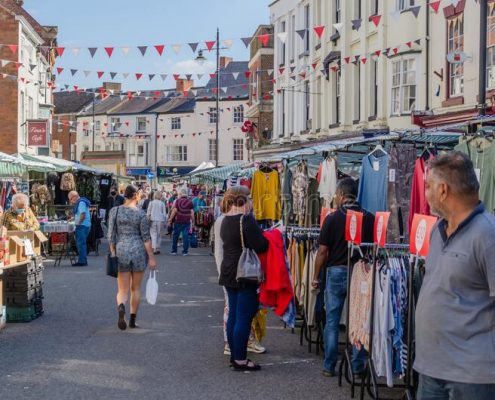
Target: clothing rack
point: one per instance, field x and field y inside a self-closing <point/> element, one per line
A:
<point x="370" y="381"/>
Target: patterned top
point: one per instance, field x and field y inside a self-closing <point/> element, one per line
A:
<point x="128" y="235"/>
<point x="28" y="223"/>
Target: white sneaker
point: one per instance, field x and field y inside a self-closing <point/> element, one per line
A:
<point x="254" y="347"/>
<point x="226" y="349"/>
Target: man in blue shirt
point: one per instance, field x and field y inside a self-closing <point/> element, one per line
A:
<point x="199" y="201"/>
<point x="82" y="220"/>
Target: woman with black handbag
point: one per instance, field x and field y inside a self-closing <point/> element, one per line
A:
<point x="242" y="293"/>
<point x="130" y="241"/>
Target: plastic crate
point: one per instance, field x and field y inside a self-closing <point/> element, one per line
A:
<point x="22" y="314"/>
<point x="23" y="299"/>
<point x="58" y="238"/>
<point x="21" y="284"/>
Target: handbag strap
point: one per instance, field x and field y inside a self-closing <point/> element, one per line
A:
<point x="242" y="233"/>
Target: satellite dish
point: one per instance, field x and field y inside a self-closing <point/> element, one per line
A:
<point x="458" y="57"/>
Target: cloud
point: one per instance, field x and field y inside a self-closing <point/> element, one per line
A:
<point x="192" y="67"/>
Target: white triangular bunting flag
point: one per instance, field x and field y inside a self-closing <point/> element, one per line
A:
<point x="4" y="62"/>
<point x="338" y="27"/>
<point x="200" y="76"/>
<point x="126" y="50"/>
<point x="235" y="75"/>
<point x="125" y="75"/>
<point x="283" y="36"/>
<point x="224" y="89"/>
<point x="163" y="76"/>
<point x="111" y="91"/>
<point x="194" y="92"/>
<point x="228" y="43"/>
<point x="75" y="51"/>
<point x="138" y="93"/>
<point x="176" y="48"/>
<point x="87" y="73"/>
<point x="455" y="3"/>
<point x="270" y="72"/>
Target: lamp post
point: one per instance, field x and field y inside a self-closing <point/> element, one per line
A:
<point x="482" y="70"/>
<point x="201" y="59"/>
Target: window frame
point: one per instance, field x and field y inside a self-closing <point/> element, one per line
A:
<point x="179" y="155"/>
<point x="141" y="120"/>
<point x="307" y="104"/>
<point x="357" y="92"/>
<point x="212" y="115"/>
<point x="283" y="49"/>
<point x="455" y="72"/>
<point x="338" y="11"/>
<point x="238" y="114"/>
<point x="212" y="151"/>
<point x="238" y="146"/>
<point x="115" y="126"/>
<point x="398" y="90"/>
<point x="175" y="123"/>
<point x="338" y="97"/>
<point x="490" y="48"/>
<point x="403" y="5"/>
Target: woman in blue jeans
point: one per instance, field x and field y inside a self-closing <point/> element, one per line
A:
<point x="243" y="297"/>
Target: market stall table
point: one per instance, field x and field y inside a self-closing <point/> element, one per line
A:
<point x="61" y="234"/>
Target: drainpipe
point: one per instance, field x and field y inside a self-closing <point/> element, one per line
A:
<point x="482" y="71"/>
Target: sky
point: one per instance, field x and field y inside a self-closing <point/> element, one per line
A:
<point x="132" y="23"/>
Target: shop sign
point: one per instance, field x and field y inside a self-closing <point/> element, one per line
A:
<point x="137" y="171"/>
<point x="420" y="234"/>
<point x="168" y="171"/>
<point x="381" y="228"/>
<point x="37" y="133"/>
<point x="354" y="227"/>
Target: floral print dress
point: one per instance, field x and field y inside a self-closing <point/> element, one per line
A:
<point x="128" y="229"/>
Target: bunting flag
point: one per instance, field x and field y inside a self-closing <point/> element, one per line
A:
<point x="75" y="51"/>
<point x="100" y="74"/>
<point x="283" y="36"/>
<point x="193" y="46"/>
<point x="292" y="69"/>
<point x="386" y="51"/>
<point x="163" y="76"/>
<point x="338" y="27"/>
<point x="301" y="33"/>
<point x="13" y="48"/>
<point x="228" y="43"/>
<point x="395" y="50"/>
<point x="363" y="60"/>
<point x="159" y="48"/>
<point x="415" y="10"/>
<point x="409" y="44"/>
<point x="264" y="39"/>
<point x="319" y="30"/>
<point x="376" y="19"/>
<point x="210" y="44"/>
<point x="125" y="75"/>
<point x="59" y="70"/>
<point x="176" y="48"/>
<point x="270" y="72"/>
<point x="143" y="49"/>
<point x="73" y="71"/>
<point x="200" y="76"/>
<point x="281" y="70"/>
<point x="109" y="51"/>
<point x="378" y="52"/>
<point x="246" y="41"/>
<point x="151" y="76"/>
<point x="418" y="42"/>
<point x="138" y="76"/>
<point x="247" y="74"/>
<point x="113" y="75"/>
<point x="92" y="51"/>
<point x="87" y="73"/>
<point x="314" y="65"/>
<point x="188" y="77"/>
<point x="235" y="75"/>
<point x="176" y="76"/>
<point x="455" y="3"/>
<point x="125" y="51"/>
<point x="347" y="60"/>
<point x="356" y="24"/>
<point x="435" y="6"/>
<point x="213" y="75"/>
<point x="60" y="51"/>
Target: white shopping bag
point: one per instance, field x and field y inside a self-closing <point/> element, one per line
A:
<point x="151" y="288"/>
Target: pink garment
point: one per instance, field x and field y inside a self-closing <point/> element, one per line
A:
<point x="419" y="205"/>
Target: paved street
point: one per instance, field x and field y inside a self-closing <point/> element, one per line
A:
<point x="75" y="351"/>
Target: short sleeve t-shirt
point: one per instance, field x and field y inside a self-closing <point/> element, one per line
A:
<point x="455" y="315"/>
<point x="83" y="208"/>
<point x="184" y="207"/>
<point x="332" y="234"/>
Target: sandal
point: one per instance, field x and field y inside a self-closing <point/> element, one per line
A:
<point x="249" y="366"/>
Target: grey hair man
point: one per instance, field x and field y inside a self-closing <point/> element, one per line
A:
<point x="455" y="315"/>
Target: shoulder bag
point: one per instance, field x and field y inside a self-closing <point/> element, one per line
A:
<point x="113" y="261"/>
<point x="249" y="266"/>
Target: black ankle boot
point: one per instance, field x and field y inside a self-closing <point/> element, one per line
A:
<point x="132" y="321"/>
<point x="121" y="323"/>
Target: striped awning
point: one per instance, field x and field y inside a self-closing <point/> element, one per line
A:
<point x="218" y="174"/>
<point x="17" y="166"/>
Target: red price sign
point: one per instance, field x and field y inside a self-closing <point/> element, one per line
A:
<point x="325" y="212"/>
<point x="420" y="234"/>
<point x="381" y="226"/>
<point x="354" y="227"/>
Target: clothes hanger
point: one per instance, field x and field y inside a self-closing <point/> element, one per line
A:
<point x="378" y="147"/>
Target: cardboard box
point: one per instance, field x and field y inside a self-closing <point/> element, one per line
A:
<point x="37" y="239"/>
<point x="16" y="249"/>
<point x="3" y="233"/>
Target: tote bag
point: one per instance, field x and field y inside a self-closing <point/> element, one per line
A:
<point x="249" y="266"/>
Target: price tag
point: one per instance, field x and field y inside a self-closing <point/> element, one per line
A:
<point x="420" y="234"/>
<point x="354" y="227"/>
<point x="381" y="226"/>
<point x="376" y="166"/>
<point x="28" y="248"/>
<point x="477" y="171"/>
<point x="391" y="175"/>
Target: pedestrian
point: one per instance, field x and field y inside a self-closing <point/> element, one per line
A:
<point x="130" y="240"/>
<point x="455" y="314"/>
<point x="182" y="216"/>
<point x="199" y="201"/>
<point x="157" y="216"/>
<point x="253" y="345"/>
<point x="20" y="217"/>
<point x="82" y="219"/>
<point x="110" y="203"/>
<point x="332" y="258"/>
<point x="242" y="296"/>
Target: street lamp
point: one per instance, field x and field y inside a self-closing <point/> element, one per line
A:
<point x="200" y="59"/>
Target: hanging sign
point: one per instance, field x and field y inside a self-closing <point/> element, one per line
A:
<point x="381" y="227"/>
<point x="37" y="133"/>
<point x="354" y="227"/>
<point x="420" y="234"/>
<point x="325" y="212"/>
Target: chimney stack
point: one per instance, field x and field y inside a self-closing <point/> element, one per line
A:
<point x="183" y="85"/>
<point x="115" y="86"/>
<point x="224" y="61"/>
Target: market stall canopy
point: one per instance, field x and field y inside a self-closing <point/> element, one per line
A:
<point x="61" y="165"/>
<point x="16" y="166"/>
<point x="202" y="167"/>
<point x="219" y="174"/>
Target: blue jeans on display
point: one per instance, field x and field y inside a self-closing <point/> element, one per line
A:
<point x="439" y="389"/>
<point x="178" y="230"/>
<point x="243" y="306"/>
<point x="82" y="233"/>
<point x="335" y="294"/>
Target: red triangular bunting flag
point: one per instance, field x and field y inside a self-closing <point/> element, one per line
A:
<point x="395" y="50"/>
<point x="334" y="68"/>
<point x="347" y="60"/>
<point x="363" y="60"/>
<point x="264" y="39"/>
<point x="129" y="95"/>
<point x="378" y="52"/>
<point x="60" y="51"/>
<point x="176" y="76"/>
<point x="100" y="74"/>
<point x="126" y="123"/>
<point x="159" y="48"/>
<point x="59" y="70"/>
<point x="435" y="6"/>
<point x="138" y="76"/>
<point x="184" y="93"/>
<point x="409" y="44"/>
<point x="314" y="65"/>
<point x="210" y="45"/>
<point x="281" y="70"/>
<point x="319" y="30"/>
<point x="13" y="48"/>
<point x="76" y="87"/>
<point x="274" y="81"/>
<point x="109" y="51"/>
<point x="248" y="74"/>
<point x="376" y="19"/>
<point x="212" y="76"/>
